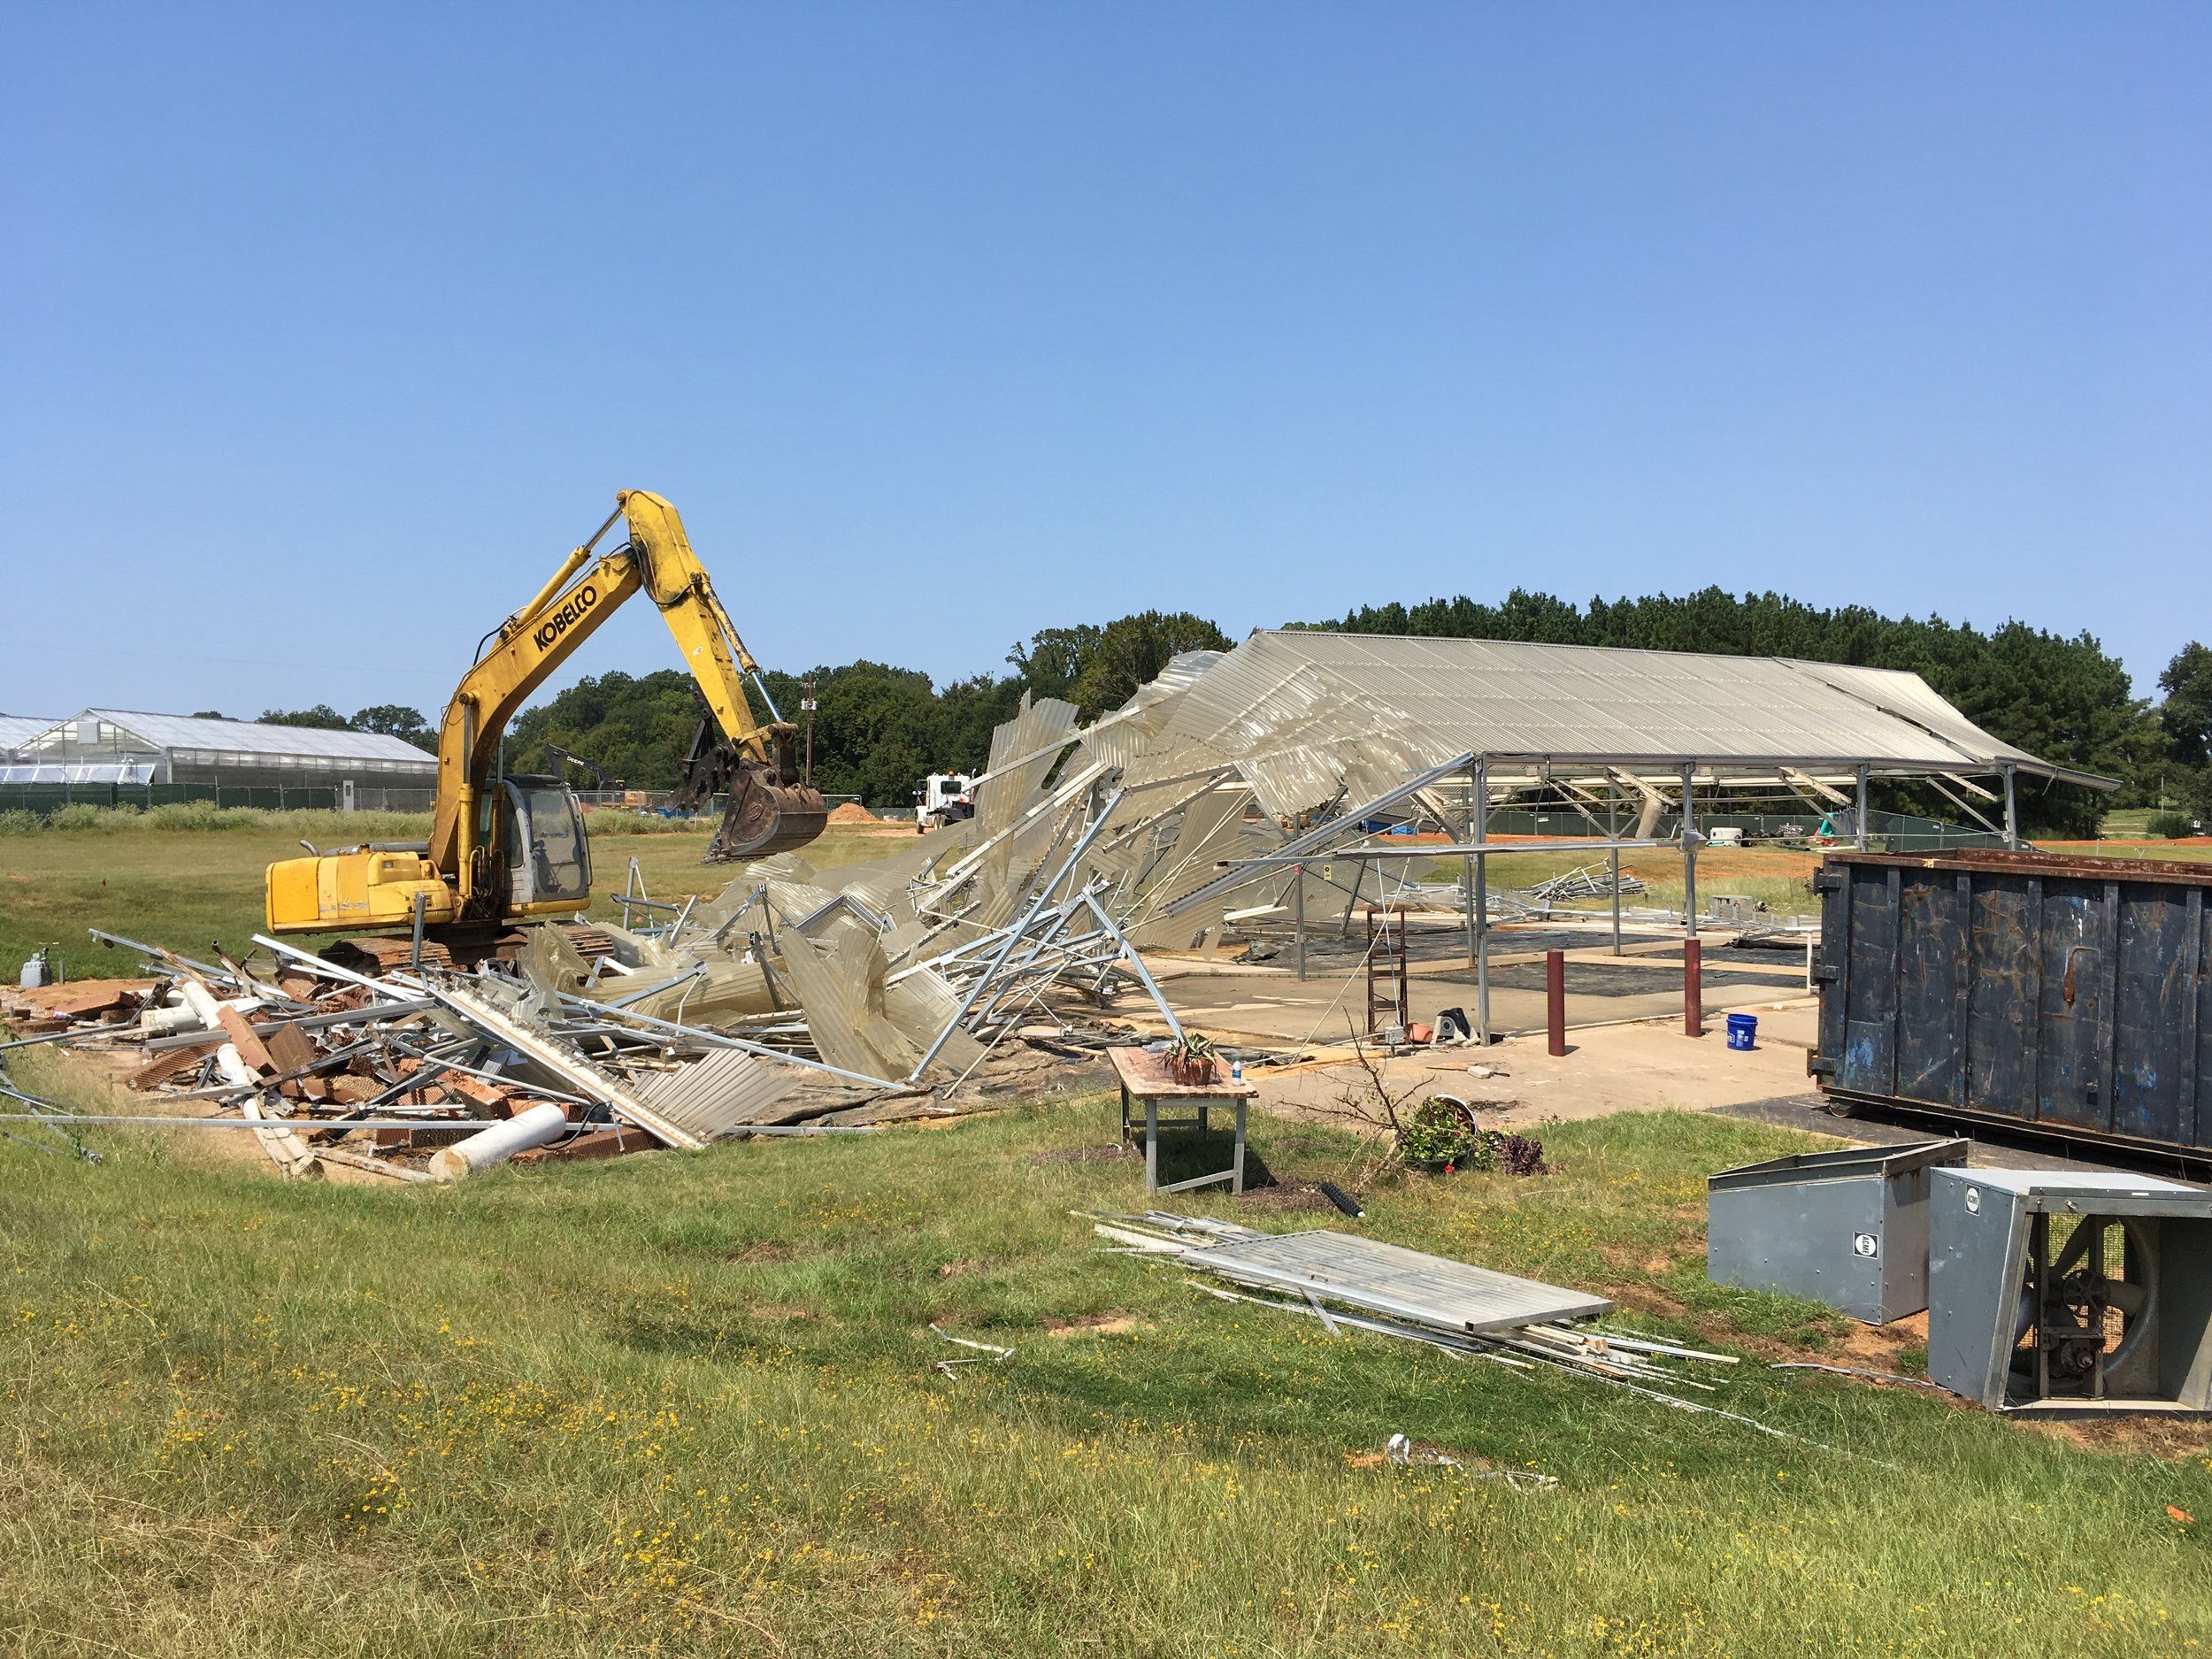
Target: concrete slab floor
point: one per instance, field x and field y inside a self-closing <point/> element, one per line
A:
<point x="1270" y="1007"/>
<point x="1651" y="1067"/>
<point x="1623" y="1059"/>
<point x="1655" y="1067"/>
<point x="1627" y="1051"/>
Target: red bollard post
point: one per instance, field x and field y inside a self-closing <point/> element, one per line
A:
<point x="1693" y="988"/>
<point x="1555" y="998"/>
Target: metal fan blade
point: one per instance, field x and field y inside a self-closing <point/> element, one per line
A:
<point x="2129" y="1299"/>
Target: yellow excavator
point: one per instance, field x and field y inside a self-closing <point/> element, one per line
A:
<point x="506" y="851"/>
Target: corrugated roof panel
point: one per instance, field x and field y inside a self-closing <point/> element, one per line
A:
<point x="721" y="1094"/>
<point x="21" y="728"/>
<point x="76" y="771"/>
<point x="1301" y="712"/>
<point x="250" y="737"/>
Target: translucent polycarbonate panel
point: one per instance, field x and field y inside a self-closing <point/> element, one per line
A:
<point x="1305" y="713"/>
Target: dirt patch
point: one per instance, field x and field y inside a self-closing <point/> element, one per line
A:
<point x="1656" y="1264"/>
<point x="1093" y="1324"/>
<point x="1644" y="1299"/>
<point x="1084" y="1154"/>
<point x="2169" y="1439"/>
<point x="853" y="816"/>
<point x="779" y="1312"/>
<point x="1880" y="1347"/>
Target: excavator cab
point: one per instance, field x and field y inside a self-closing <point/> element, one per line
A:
<point x="541" y="836"/>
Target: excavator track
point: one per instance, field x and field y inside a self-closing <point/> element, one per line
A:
<point x="457" y="946"/>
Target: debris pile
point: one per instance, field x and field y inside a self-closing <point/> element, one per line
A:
<point x="424" y="1075"/>
<point x="980" y="957"/>
<point x="1585" y="881"/>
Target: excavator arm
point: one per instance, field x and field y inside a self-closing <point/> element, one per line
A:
<point x="496" y="855"/>
<point x="770" y="810"/>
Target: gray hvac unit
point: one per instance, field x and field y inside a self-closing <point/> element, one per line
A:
<point x="2069" y="1292"/>
<point x="1849" y="1229"/>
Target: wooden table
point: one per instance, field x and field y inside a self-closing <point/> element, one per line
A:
<point x="1144" y="1077"/>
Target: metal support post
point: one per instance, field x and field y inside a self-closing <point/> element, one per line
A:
<point x="1315" y="839"/>
<point x="2012" y="810"/>
<point x="1298" y="915"/>
<point x="414" y="956"/>
<point x="806" y="707"/>
<point x="1613" y="858"/>
<point x="1136" y="962"/>
<point x="1467" y="865"/>
<point x="1693" y="988"/>
<point x="1481" y="905"/>
<point x="1689" y="854"/>
<point x="1858" y="815"/>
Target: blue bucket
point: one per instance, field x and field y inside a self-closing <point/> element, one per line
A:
<point x="1743" y="1031"/>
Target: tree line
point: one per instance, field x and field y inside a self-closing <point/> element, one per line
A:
<point x="393" y="719"/>
<point x="880" y="729"/>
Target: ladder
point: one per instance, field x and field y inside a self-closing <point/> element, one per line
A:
<point x="1386" y="1004"/>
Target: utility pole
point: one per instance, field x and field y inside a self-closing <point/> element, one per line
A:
<point x="806" y="703"/>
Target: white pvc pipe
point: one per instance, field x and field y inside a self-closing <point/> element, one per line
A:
<point x="163" y="1022"/>
<point x="539" y="1125"/>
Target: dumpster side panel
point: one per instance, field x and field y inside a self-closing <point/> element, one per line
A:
<point x="2077" y="960"/>
<point x="2008" y="985"/>
<point x="2150" y="1018"/>
<point x="2196" y="1085"/>
<point x="1868" y="1061"/>
<point x="1932" y="942"/>
<point x="2071" y="994"/>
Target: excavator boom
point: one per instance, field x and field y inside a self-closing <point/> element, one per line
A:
<point x="491" y="859"/>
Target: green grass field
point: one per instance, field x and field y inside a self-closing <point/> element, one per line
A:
<point x="2133" y="823"/>
<point x="183" y="888"/>
<point x="686" y="1404"/>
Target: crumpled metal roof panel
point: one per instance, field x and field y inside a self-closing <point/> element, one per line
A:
<point x="1301" y="711"/>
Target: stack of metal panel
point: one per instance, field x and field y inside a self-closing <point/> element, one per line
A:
<point x="1387" y="1278"/>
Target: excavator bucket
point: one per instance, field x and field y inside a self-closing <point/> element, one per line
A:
<point x="765" y="818"/>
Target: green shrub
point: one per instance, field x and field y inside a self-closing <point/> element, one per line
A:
<point x="203" y="815"/>
<point x="1441" y="1130"/>
<point x="83" y="815"/>
<point x="2171" y="826"/>
<point x="320" y="825"/>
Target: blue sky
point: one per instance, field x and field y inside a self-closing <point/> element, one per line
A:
<point x="324" y="333"/>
